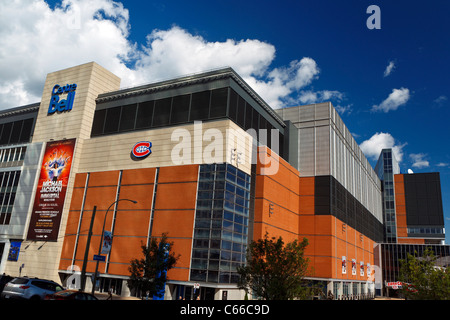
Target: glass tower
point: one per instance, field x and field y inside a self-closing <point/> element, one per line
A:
<point x="387" y="166"/>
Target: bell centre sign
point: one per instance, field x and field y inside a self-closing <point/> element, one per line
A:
<point x="62" y="105"/>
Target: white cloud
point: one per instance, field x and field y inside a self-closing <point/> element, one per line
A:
<point x="389" y="68"/>
<point x="310" y="96"/>
<point x="419" y="161"/>
<point x="344" y="109"/>
<point x="440" y="100"/>
<point x="379" y="141"/>
<point x="36" y="39"/>
<point x="397" y="98"/>
<point x="443" y="164"/>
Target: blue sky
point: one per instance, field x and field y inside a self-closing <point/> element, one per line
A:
<point x="291" y="52"/>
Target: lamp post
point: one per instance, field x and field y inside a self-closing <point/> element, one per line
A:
<point x="101" y="240"/>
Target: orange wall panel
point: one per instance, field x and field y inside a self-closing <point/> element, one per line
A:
<point x="72" y="222"/>
<point x="124" y="249"/>
<point x="143" y="194"/>
<point x="306" y="186"/>
<point x="411" y="241"/>
<point x="117" y="269"/>
<point x="176" y="223"/>
<point x="104" y="178"/>
<point x="77" y="199"/>
<point x="323" y="225"/>
<point x="176" y="196"/>
<point x="132" y="223"/>
<point x="68" y="247"/>
<point x="138" y="176"/>
<point x="306" y="205"/>
<point x="80" y="180"/>
<point x="81" y="249"/>
<point x="280" y="189"/>
<point x="102" y="197"/>
<point x="64" y="264"/>
<point x="182" y="247"/>
<point x="180" y="274"/>
<point x="322" y="246"/>
<point x="178" y="173"/>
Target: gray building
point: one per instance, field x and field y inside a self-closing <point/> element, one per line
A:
<point x="19" y="168"/>
<point x="326" y="149"/>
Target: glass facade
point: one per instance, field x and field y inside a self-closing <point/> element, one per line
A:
<point x="19" y="131"/>
<point x="221" y="223"/>
<point x="392" y="254"/>
<point x="8" y="187"/>
<point x="12" y="157"/>
<point x="386" y="168"/>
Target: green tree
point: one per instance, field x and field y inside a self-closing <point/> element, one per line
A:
<point x="149" y="274"/>
<point x="275" y="271"/>
<point x="423" y="279"/>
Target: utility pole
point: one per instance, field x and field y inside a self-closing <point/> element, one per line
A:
<point x="86" y="252"/>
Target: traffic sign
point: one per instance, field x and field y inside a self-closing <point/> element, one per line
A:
<point x="99" y="258"/>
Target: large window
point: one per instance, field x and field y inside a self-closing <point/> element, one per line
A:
<point x="210" y="104"/>
<point x="8" y="187"/>
<point x="9" y="157"/>
<point x="221" y="224"/>
<point x="16" y="132"/>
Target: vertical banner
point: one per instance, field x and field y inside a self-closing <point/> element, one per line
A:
<point x="51" y="191"/>
<point x="344" y="265"/>
<point x="107" y="242"/>
<point x="14" y="250"/>
<point x="354" y="267"/>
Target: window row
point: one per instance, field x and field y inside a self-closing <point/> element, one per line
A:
<point x="12" y="154"/>
<point x="426" y="230"/>
<point x="8" y="186"/>
<point x="180" y="109"/>
<point x="214" y="276"/>
<point x="16" y="132"/>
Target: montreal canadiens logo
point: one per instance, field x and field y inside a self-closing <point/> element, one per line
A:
<point x="142" y="149"/>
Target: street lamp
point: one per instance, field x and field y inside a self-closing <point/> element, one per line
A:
<point x="101" y="239"/>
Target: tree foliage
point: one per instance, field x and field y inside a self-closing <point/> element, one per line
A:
<point x="148" y="274"/>
<point x="275" y="271"/>
<point x="423" y="279"/>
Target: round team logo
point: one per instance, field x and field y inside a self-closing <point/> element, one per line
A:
<point x="142" y="149"/>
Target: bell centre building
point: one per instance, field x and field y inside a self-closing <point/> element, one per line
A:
<point x="202" y="159"/>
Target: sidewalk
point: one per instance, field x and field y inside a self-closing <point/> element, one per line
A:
<point x="105" y="295"/>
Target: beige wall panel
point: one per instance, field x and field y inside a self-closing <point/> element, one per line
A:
<point x="114" y="152"/>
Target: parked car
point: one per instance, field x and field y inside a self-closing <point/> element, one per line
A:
<point x="70" y="295"/>
<point x="29" y="288"/>
<point x="4" y="279"/>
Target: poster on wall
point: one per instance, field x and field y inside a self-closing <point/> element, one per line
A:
<point x="344" y="265"/>
<point x="361" y="268"/>
<point x="51" y="191"/>
<point x="14" y="250"/>
<point x="354" y="267"/>
<point x="107" y="242"/>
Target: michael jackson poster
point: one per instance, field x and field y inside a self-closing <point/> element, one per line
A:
<point x="51" y="191"/>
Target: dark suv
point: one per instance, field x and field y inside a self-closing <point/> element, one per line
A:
<point x="29" y="288"/>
